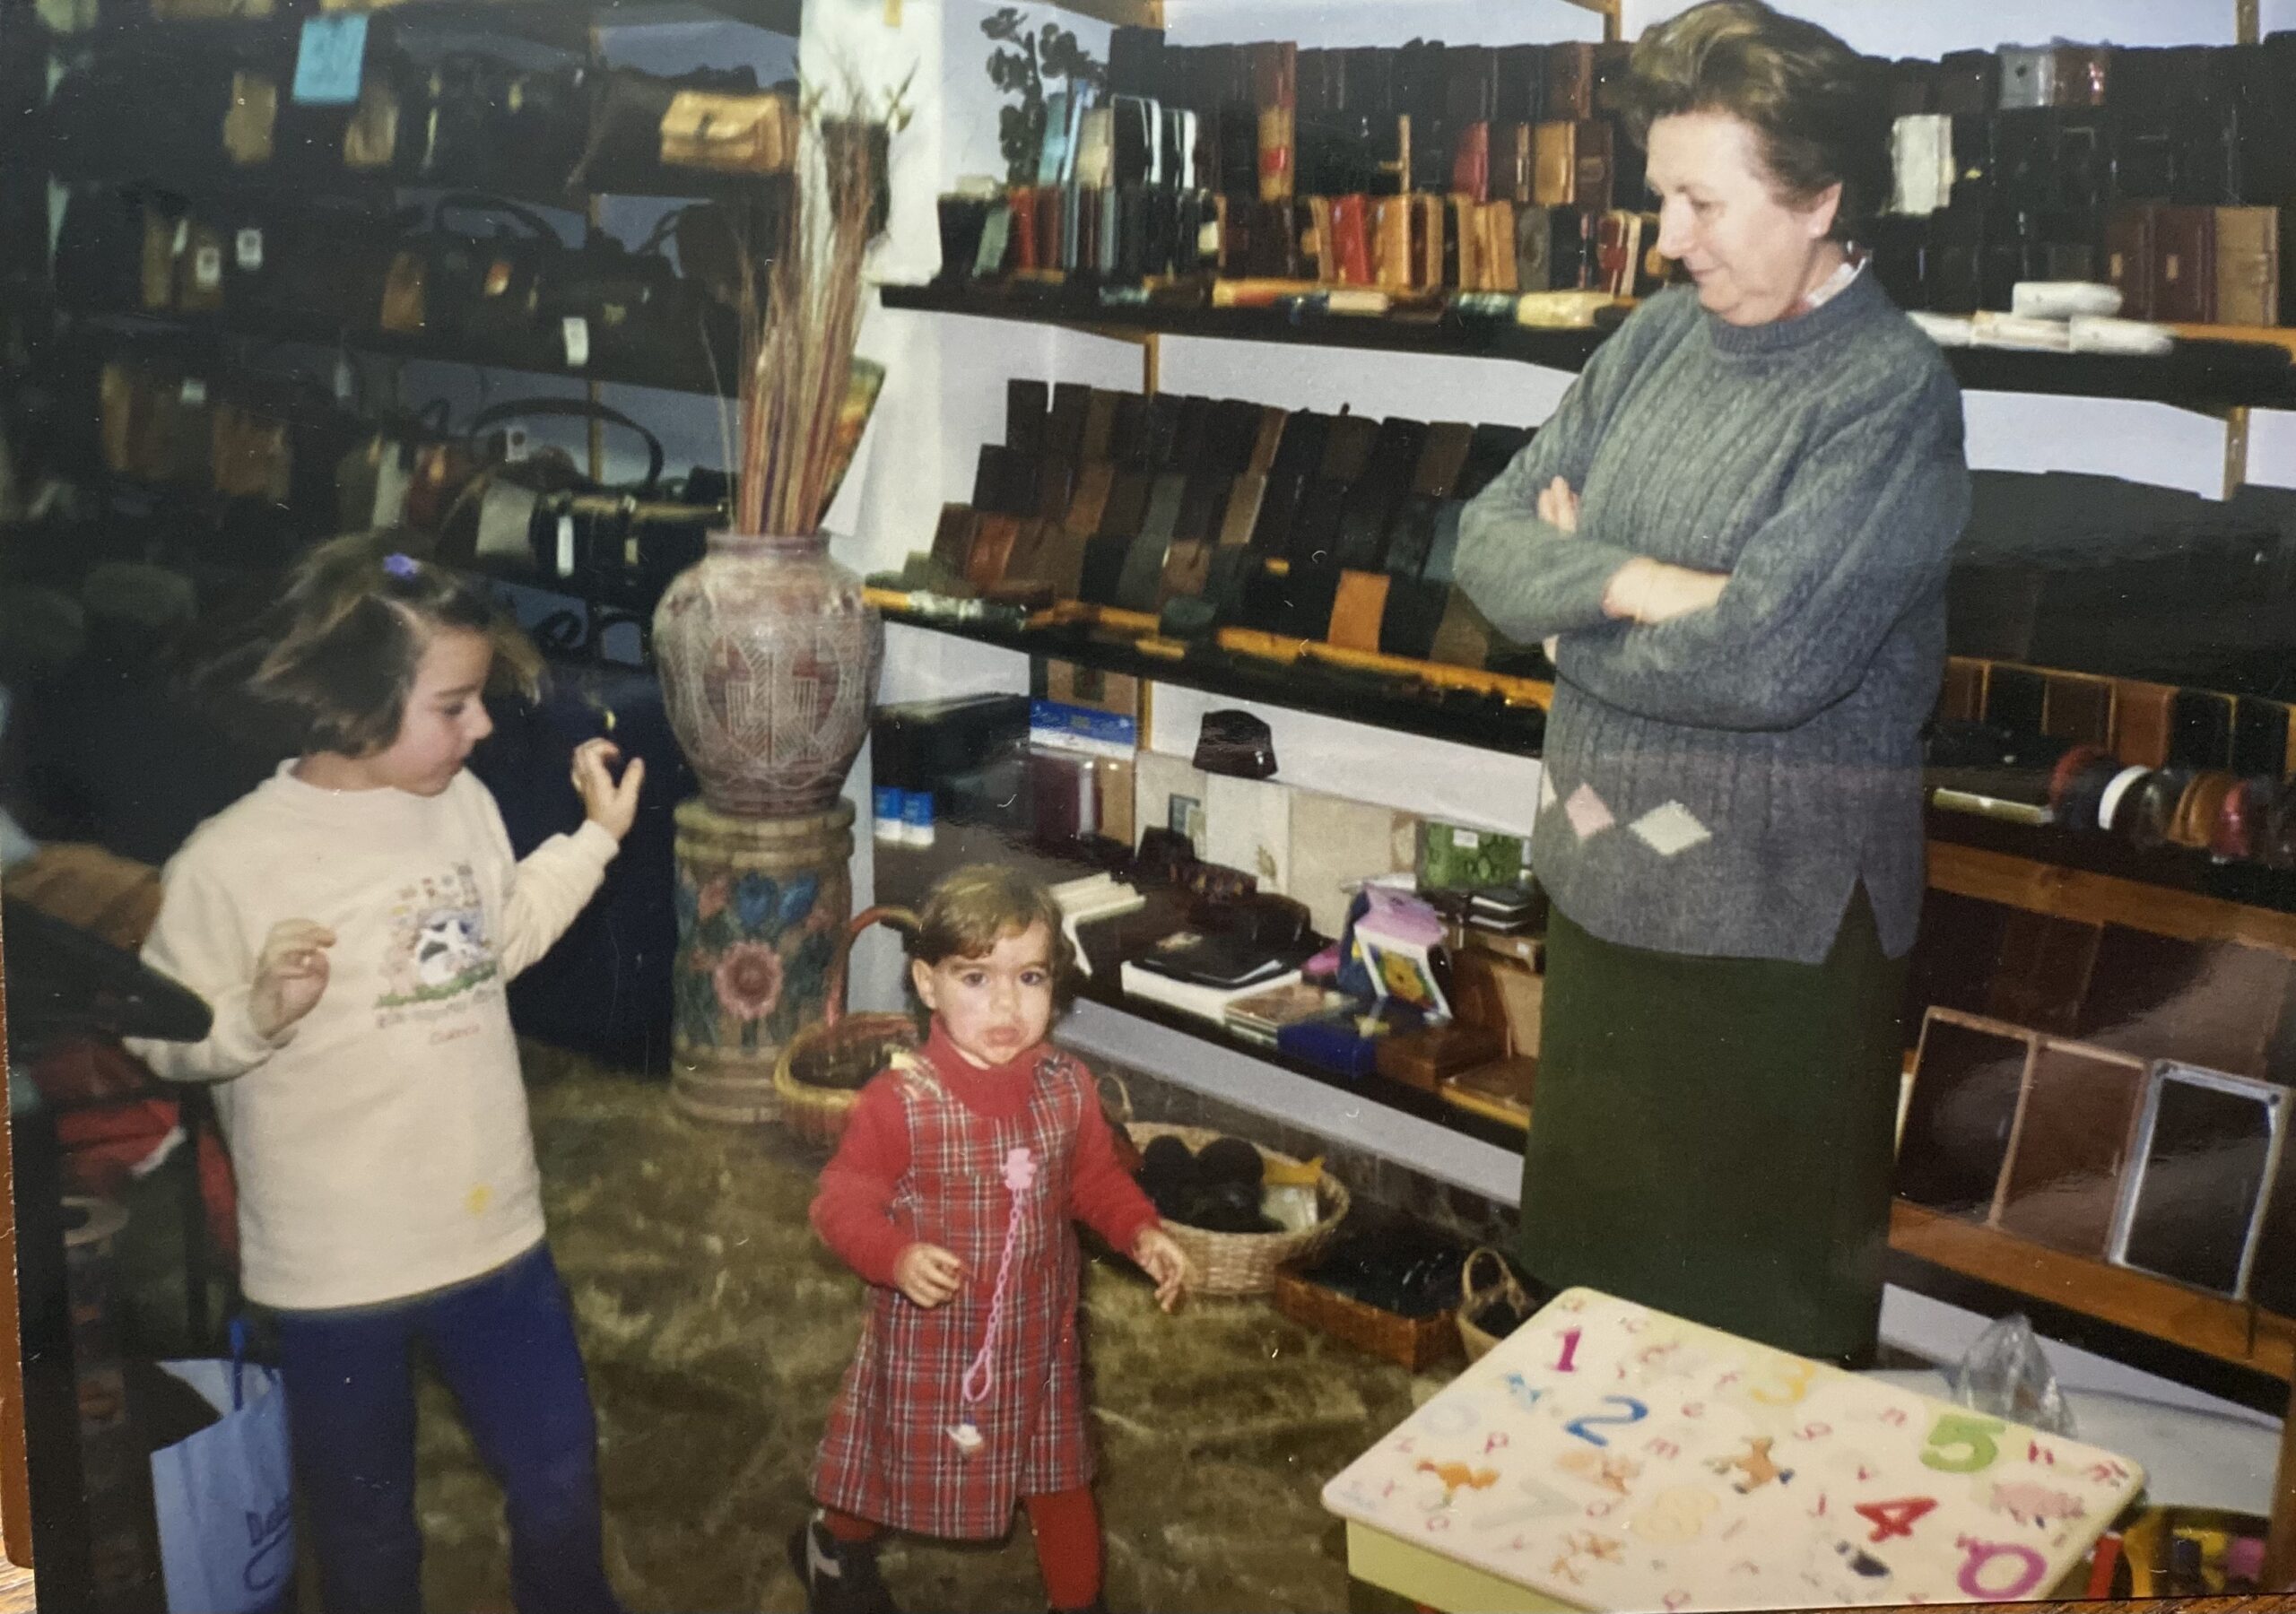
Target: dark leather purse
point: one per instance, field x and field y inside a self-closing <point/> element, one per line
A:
<point x="482" y="123"/>
<point x="624" y="149"/>
<point x="455" y="284"/>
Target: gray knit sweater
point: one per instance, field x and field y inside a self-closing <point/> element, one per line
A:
<point x="1719" y="784"/>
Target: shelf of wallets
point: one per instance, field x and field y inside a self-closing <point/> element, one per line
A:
<point x="1414" y="1079"/>
<point x="1210" y="540"/>
<point x="1410" y="169"/>
<point x="2165" y="172"/>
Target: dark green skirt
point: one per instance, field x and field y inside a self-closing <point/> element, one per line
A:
<point x="1713" y="1137"/>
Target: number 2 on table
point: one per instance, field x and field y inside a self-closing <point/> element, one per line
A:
<point x="1584" y="1427"/>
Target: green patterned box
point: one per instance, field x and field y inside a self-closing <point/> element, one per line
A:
<point x="1452" y="858"/>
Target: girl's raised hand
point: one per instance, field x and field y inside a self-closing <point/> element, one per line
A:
<point x="1163" y="1260"/>
<point x="612" y="806"/>
<point x="928" y="1274"/>
<point x="291" y="975"/>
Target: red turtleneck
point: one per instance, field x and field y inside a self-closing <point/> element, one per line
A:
<point x="853" y="1210"/>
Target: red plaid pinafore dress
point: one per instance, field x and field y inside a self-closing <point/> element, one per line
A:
<point x="887" y="1454"/>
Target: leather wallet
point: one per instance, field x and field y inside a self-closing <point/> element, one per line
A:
<point x="953" y="538"/>
<point x="1056" y="488"/>
<point x="1462" y="638"/>
<point x="2184" y="267"/>
<point x="2131" y="249"/>
<point x="1411" y="534"/>
<point x="2077" y="708"/>
<point x="1026" y="404"/>
<point x="1279" y="508"/>
<point x="2260" y="738"/>
<point x="1571" y="250"/>
<point x="1231" y="430"/>
<point x="1299" y="451"/>
<point x="1312" y="591"/>
<point x="1347" y="258"/>
<point x="1101" y="570"/>
<point x="1315" y="526"/>
<point x="1044" y="552"/>
<point x="2248" y="265"/>
<point x="1242" y="515"/>
<point x="1269" y="438"/>
<point x="1554" y="163"/>
<point x="1348" y="447"/>
<point x="1128" y="431"/>
<point x="1187" y="567"/>
<point x="1139" y="584"/>
<point x="1493" y="449"/>
<point x="1090" y="503"/>
<point x="1190" y="432"/>
<point x="1358" y="605"/>
<point x="1443" y="542"/>
<point x="1968" y="82"/>
<point x="2141" y="723"/>
<point x="1099" y="426"/>
<point x="1065" y="424"/>
<point x="992" y="548"/>
<point x="1162" y="431"/>
<point x="1161" y="518"/>
<point x="1533" y="249"/>
<point x="1443" y="454"/>
<point x="1200" y="504"/>
<point x="2015" y="698"/>
<point x="1415" y="611"/>
<point x="2200" y="733"/>
<point x="1569" y="89"/>
<point x="1434" y="252"/>
<point x="1127" y="505"/>
<point x="1005" y="480"/>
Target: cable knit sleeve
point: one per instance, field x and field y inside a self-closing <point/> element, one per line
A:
<point x="1864" y="530"/>
<point x="547" y="888"/>
<point x="852" y="1211"/>
<point x="1529" y="577"/>
<point x="203" y="939"/>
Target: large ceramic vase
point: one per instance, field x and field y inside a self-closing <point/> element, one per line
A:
<point x="769" y="657"/>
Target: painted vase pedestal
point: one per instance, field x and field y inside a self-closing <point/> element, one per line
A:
<point x="761" y="903"/>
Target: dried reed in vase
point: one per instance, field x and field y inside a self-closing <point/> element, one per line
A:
<point x="800" y="317"/>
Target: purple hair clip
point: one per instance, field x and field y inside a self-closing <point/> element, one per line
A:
<point x="400" y="566"/>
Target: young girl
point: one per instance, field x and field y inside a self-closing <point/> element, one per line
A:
<point x="953" y="1191"/>
<point x="353" y="921"/>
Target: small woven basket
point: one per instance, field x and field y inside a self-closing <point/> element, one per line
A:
<point x="1245" y="1263"/>
<point x="1473" y="1296"/>
<point x="819" y="1075"/>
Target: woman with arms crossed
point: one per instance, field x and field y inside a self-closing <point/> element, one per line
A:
<point x="1736" y="527"/>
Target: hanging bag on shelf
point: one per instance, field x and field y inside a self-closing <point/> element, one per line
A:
<point x="223" y="1495"/>
<point x="456" y="283"/>
<point x="627" y="131"/>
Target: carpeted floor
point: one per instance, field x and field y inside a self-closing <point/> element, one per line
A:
<point x="716" y="1328"/>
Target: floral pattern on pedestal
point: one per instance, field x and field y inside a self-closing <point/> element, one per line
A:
<point x="754" y="966"/>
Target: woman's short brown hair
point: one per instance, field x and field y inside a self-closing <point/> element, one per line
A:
<point x="1814" y="104"/>
<point x="970" y="910"/>
<point x="339" y="652"/>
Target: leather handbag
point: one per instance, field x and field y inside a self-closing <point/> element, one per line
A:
<point x="729" y="134"/>
<point x="627" y="134"/>
<point x="2248" y="265"/>
<point x="487" y="288"/>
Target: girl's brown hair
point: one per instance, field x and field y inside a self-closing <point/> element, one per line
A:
<point x="970" y="910"/>
<point x="338" y="652"/>
<point x="1816" y="105"/>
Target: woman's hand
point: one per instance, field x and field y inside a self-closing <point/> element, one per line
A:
<point x="291" y="975"/>
<point x="1163" y="1260"/>
<point x="928" y="1274"/>
<point x="1649" y="591"/>
<point x="1559" y="506"/>
<point x="612" y="807"/>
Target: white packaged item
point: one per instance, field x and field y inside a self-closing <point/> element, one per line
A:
<point x="1946" y="330"/>
<point x="1921" y="152"/>
<point x="1987" y="329"/>
<point x="2093" y="333"/>
<point x="2061" y="300"/>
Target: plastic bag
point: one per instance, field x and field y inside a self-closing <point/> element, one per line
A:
<point x="227" y="1535"/>
<point x="2005" y="1374"/>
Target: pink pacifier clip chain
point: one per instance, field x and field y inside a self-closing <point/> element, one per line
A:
<point x="1020" y="1176"/>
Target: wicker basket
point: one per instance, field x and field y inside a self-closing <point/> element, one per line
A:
<point x="1244" y="1263"/>
<point x="1473" y="1296"/>
<point x="820" y="1074"/>
<point x="1415" y="1342"/>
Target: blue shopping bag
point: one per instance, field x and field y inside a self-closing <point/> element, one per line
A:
<point x="223" y="1496"/>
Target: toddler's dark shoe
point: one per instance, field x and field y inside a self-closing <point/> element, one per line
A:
<point x="839" y="1577"/>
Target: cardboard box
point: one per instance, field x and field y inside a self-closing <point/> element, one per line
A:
<point x="1075" y="686"/>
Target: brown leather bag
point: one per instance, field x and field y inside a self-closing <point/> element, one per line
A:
<point x="404" y="301"/>
<point x="370" y="139"/>
<point x="1357" y="610"/>
<point x="2248" y="265"/>
<point x="730" y="134"/>
<point x="253" y="116"/>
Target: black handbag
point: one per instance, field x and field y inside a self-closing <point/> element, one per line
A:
<point x="481" y="122"/>
<point x="635" y="307"/>
<point x="624" y="149"/>
<point x="484" y="289"/>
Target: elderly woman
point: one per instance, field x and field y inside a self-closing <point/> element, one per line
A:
<point x="1735" y="530"/>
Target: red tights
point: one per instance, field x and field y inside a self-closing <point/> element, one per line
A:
<point x="1067" y="1528"/>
